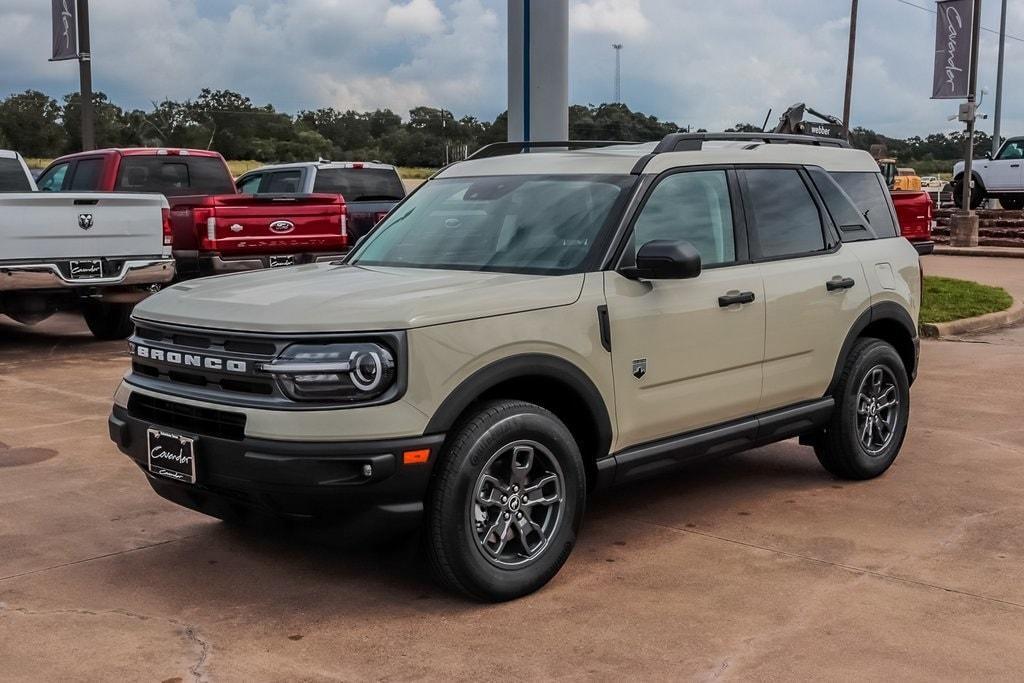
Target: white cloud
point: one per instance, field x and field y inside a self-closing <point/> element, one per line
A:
<point x="419" y="16"/>
<point x="613" y="17"/>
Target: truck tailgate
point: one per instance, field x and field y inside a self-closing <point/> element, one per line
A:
<point x="275" y="224"/>
<point x="41" y="225"/>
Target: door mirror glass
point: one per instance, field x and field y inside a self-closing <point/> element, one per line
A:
<point x="665" y="260"/>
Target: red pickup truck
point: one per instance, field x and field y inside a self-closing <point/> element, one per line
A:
<point x="914" y="211"/>
<point x="216" y="229"/>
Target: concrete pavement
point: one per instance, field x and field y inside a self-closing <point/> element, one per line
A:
<point x="757" y="566"/>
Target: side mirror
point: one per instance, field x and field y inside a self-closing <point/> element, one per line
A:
<point x="988" y="155"/>
<point x="665" y="260"/>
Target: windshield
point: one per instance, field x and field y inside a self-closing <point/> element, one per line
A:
<point x="518" y="224"/>
<point x="360" y="184"/>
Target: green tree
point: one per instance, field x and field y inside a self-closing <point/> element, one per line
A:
<point x="30" y="122"/>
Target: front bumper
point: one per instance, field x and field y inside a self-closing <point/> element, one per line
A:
<point x="50" y="275"/>
<point x="319" y="481"/>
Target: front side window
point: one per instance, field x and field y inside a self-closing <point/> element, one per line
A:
<point x="1012" y="150"/>
<point x="53" y="179"/>
<point x="12" y="176"/>
<point x="250" y="184"/>
<point x="784" y="214"/>
<point x="871" y="197"/>
<point x="539" y="224"/>
<point x="694" y="207"/>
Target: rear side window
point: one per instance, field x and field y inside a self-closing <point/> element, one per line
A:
<point x="87" y="175"/>
<point x="282" y="182"/>
<point x="174" y="175"/>
<point x="692" y="206"/>
<point x="868" y="192"/>
<point x="53" y="179"/>
<point x="360" y="184"/>
<point x="12" y="177"/>
<point x="783" y="212"/>
<point x="847" y="217"/>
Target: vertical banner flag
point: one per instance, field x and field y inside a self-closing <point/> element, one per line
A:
<point x="952" y="49"/>
<point x="65" y="30"/>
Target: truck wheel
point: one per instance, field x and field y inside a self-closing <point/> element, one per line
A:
<point x="867" y="427"/>
<point x="506" y="502"/>
<point x="977" y="194"/>
<point x="1012" y="203"/>
<point x="108" y="321"/>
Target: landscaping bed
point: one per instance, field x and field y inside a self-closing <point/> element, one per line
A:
<point x="945" y="299"/>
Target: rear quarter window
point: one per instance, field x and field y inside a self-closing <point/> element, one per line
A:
<point x="174" y="175"/>
<point x="871" y="196"/>
<point x="12" y="177"/>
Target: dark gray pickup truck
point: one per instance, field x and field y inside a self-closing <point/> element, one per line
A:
<point x="370" y="189"/>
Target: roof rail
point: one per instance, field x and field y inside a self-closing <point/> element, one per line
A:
<point x="693" y="142"/>
<point x="501" y="149"/>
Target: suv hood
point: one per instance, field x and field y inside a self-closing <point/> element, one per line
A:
<point x="339" y="298"/>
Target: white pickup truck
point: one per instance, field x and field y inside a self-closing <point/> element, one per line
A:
<point x="96" y="252"/>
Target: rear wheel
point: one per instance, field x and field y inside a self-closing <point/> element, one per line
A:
<point x="108" y="321"/>
<point x="867" y="427"/>
<point x="1012" y="203"/>
<point x="506" y="502"/>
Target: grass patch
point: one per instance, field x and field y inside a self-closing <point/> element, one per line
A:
<point x="945" y="299"/>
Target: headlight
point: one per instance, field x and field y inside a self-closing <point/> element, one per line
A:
<point x="334" y="372"/>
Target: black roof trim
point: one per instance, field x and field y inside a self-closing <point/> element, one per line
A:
<point x="694" y="142"/>
<point x="501" y="149"/>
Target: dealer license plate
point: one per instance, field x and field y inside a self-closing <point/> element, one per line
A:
<point x="172" y="455"/>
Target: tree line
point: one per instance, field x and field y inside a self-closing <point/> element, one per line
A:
<point x="38" y="125"/>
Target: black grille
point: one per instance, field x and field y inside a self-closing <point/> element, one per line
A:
<point x="202" y="421"/>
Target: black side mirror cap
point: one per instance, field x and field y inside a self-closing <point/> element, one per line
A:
<point x="988" y="155"/>
<point x="665" y="260"/>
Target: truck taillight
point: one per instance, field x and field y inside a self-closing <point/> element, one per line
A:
<point x="344" y="225"/>
<point x="205" y="227"/>
<point x="379" y="217"/>
<point x="211" y="229"/>
<point x="168" y="229"/>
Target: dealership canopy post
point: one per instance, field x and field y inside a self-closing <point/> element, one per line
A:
<point x="848" y="100"/>
<point x="85" y="77"/>
<point x="538" y="70"/>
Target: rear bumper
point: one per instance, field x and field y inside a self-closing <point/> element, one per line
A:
<point x="362" y="485"/>
<point x="51" y="275"/>
<point x="216" y="264"/>
<point x="924" y="247"/>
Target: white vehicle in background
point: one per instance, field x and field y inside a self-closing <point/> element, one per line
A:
<point x="994" y="177"/>
<point x="99" y="253"/>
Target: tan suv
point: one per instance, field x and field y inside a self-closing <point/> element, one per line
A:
<point x="529" y="328"/>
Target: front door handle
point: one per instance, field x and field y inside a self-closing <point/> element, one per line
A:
<point x="730" y="299"/>
<point x="837" y="283"/>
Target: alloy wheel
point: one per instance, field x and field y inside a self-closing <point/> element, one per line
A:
<point x="878" y="409"/>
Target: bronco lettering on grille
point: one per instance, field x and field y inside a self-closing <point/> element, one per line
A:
<point x="188" y="360"/>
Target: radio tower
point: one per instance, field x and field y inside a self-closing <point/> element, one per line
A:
<point x="618" y="72"/>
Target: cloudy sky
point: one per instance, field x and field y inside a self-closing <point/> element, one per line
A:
<point x="707" y="63"/>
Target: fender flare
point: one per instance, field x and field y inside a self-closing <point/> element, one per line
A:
<point x="525" y="365"/>
<point x="884" y="310"/>
<point x="977" y="180"/>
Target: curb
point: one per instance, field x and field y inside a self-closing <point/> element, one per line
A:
<point x="982" y="323"/>
<point x="991" y="252"/>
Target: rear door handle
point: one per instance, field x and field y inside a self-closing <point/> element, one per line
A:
<point x="727" y="300"/>
<point x="837" y="283"/>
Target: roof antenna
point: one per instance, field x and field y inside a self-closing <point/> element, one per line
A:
<point x="765" y="124"/>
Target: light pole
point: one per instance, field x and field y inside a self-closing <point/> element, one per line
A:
<point x="999" y="82"/>
<point x="849" y="70"/>
<point x="85" y="77"/>
<point x="963" y="227"/>
<point x="618" y="72"/>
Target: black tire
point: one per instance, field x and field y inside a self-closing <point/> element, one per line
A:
<point x="977" y="194"/>
<point x="841" y="448"/>
<point x="1012" y="203"/>
<point x="108" y="321"/>
<point x="457" y="539"/>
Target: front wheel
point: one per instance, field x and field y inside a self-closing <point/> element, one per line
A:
<point x="867" y="427"/>
<point x="977" y="194"/>
<point x="108" y="321"/>
<point x="506" y="502"/>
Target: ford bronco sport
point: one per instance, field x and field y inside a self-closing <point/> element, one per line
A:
<point x="527" y="329"/>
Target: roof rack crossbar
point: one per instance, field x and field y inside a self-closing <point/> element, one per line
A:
<point x="501" y="149"/>
<point x="693" y="142"/>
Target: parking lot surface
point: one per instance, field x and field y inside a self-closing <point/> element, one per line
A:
<point x="756" y="566"/>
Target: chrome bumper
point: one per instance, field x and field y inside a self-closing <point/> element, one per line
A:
<point x="49" y="276"/>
